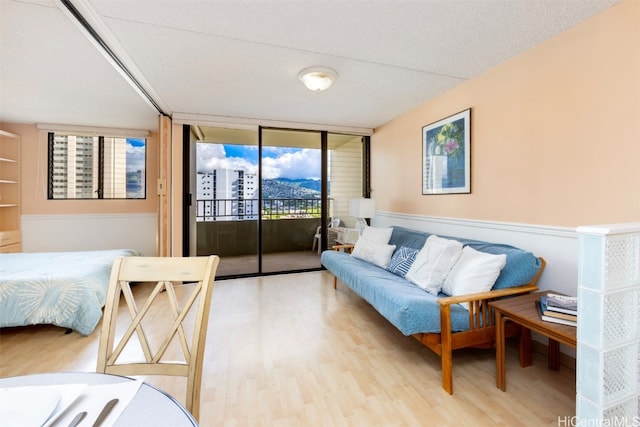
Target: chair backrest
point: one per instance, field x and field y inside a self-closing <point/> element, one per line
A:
<point x="170" y="296"/>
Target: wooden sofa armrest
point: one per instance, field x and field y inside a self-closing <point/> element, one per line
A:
<point x="489" y="295"/>
<point x="497" y="293"/>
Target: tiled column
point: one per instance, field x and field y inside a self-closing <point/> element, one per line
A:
<point x="608" y="360"/>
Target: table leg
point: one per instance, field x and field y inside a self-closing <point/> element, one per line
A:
<point x="501" y="381"/>
<point x="525" y="347"/>
<point x="554" y="355"/>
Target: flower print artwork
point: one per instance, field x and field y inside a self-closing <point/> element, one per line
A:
<point x="446" y="155"/>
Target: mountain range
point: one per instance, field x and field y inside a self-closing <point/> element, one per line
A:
<point x="286" y="188"/>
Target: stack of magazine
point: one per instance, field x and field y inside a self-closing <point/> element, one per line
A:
<point x="559" y="309"/>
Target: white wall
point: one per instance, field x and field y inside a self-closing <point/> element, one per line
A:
<point x="52" y="233"/>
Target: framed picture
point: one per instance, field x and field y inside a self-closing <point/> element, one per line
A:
<point x="446" y="155"/>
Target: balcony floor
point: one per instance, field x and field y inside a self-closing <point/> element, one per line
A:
<point x="271" y="263"/>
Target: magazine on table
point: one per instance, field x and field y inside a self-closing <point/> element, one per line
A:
<point x="549" y="304"/>
<point x="562" y="301"/>
<point x="548" y="312"/>
<point x="554" y="319"/>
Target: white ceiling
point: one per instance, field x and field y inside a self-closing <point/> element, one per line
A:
<point x="239" y="60"/>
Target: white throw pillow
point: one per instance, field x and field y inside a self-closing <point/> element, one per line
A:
<point x="474" y="272"/>
<point x="373" y="252"/>
<point x="377" y="234"/>
<point x="433" y="263"/>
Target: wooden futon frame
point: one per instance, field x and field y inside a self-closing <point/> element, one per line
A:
<point x="482" y="330"/>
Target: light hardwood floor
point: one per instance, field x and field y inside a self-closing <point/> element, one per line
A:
<point x="290" y="350"/>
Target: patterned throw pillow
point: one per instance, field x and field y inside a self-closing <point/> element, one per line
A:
<point x="402" y="260"/>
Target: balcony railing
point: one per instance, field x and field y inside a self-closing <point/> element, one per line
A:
<point x="247" y="209"/>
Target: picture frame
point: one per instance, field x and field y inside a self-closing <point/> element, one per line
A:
<point x="446" y="155"/>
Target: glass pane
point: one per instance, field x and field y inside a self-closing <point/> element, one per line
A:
<point x="345" y="177"/>
<point x="226" y="206"/>
<point x="124" y="168"/>
<point x="94" y="167"/>
<point x="292" y="203"/>
<point x="74" y="169"/>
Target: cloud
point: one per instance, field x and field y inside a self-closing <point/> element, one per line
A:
<point x="276" y="163"/>
<point x="213" y="156"/>
<point x="303" y="163"/>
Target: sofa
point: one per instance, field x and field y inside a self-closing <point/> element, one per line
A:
<point x="443" y="322"/>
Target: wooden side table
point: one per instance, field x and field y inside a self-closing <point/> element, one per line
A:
<point x="523" y="311"/>
<point x="347" y="247"/>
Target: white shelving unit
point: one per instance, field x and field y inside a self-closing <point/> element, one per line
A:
<point x="10" y="235"/>
<point x="608" y="354"/>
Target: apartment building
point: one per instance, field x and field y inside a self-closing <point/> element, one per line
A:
<point x="226" y="195"/>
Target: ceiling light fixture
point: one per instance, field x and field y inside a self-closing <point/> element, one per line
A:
<point x="317" y="79"/>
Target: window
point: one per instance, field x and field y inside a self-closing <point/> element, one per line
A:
<point x="96" y="167"/>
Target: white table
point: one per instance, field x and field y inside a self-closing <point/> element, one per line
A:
<point x="149" y="407"/>
<point x="345" y="236"/>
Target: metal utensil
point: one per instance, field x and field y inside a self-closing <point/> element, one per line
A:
<point x="76" y="420"/>
<point x="105" y="412"/>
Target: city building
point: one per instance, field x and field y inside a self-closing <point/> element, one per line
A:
<point x="226" y="195"/>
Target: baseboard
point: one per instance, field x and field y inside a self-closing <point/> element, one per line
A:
<point x="566" y="360"/>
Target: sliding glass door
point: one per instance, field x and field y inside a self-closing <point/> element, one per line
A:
<point x="291" y="190"/>
<point x="226" y="210"/>
<point x="269" y="200"/>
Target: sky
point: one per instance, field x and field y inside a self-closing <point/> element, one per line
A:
<point x="135" y="154"/>
<point x="277" y="162"/>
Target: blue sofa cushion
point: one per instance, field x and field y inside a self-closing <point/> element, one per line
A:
<point x="401" y="236"/>
<point x="409" y="308"/>
<point x="520" y="268"/>
<point x="406" y="306"/>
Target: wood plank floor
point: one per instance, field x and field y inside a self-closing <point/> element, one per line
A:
<point x="290" y="350"/>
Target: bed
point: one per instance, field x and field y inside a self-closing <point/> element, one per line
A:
<point x="66" y="289"/>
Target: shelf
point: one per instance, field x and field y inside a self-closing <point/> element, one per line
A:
<point x="10" y="188"/>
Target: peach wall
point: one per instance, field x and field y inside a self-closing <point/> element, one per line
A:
<point x="34" y="180"/>
<point x="555" y="136"/>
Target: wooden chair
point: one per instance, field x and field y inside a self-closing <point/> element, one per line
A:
<point x="185" y="280"/>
